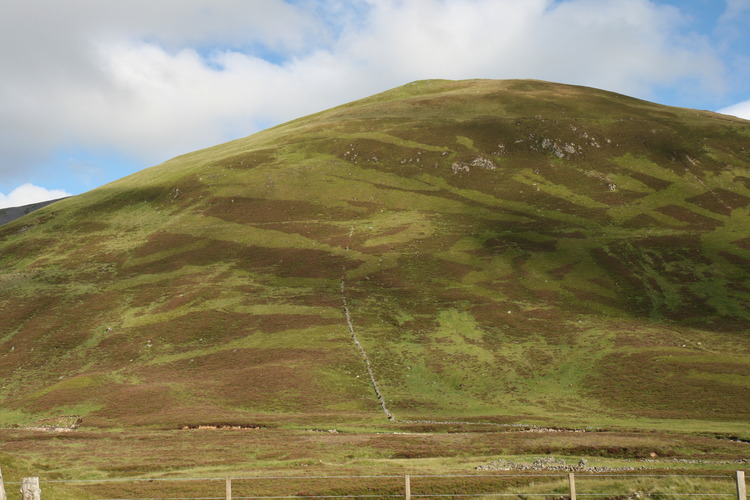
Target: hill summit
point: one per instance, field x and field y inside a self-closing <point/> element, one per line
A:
<point x="489" y="251"/>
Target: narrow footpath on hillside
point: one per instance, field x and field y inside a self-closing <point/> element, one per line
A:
<point x="365" y="357"/>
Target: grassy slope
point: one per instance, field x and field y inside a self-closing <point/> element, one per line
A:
<point x="510" y="251"/>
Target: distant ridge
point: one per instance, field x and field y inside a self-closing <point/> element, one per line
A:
<point x="12" y="213"/>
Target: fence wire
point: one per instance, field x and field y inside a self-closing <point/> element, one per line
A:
<point x="580" y="476"/>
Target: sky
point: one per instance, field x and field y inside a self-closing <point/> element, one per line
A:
<point x="94" y="90"/>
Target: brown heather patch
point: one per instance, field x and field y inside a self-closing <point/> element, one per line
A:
<point x="641" y="221"/>
<point x="355" y="241"/>
<point x="406" y="446"/>
<point x="518" y="241"/>
<point x="364" y="208"/>
<point x="586" y="296"/>
<point x="743" y="243"/>
<point x="743" y="180"/>
<point x="250" y="159"/>
<point x="467" y="202"/>
<point x="739" y="288"/>
<point x="334" y="235"/>
<point x="118" y="348"/>
<point x="650" y="181"/>
<point x="262" y="210"/>
<point x="183" y="298"/>
<point x="88" y="226"/>
<point x="284" y="262"/>
<point x="651" y="384"/>
<point x="560" y="272"/>
<point x="589" y="444"/>
<point x="318" y="298"/>
<point x="386" y="281"/>
<point x="148" y="403"/>
<point x="68" y="396"/>
<point x="547" y="296"/>
<point x="27" y="247"/>
<point x="163" y="241"/>
<point x="145" y="295"/>
<point x="720" y="201"/>
<point x="676" y="242"/>
<point x="454" y="270"/>
<point x="633" y="334"/>
<point x="173" y="293"/>
<point x="290" y="262"/>
<point x="574" y="179"/>
<point x="207" y="327"/>
<point x="521" y="192"/>
<point x="520" y="325"/>
<point x="684" y="215"/>
<point x="262" y="379"/>
<point x="574" y="235"/>
<point x="15" y="312"/>
<point x="616" y="198"/>
<point x="735" y="259"/>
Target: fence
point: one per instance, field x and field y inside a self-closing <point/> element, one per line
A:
<point x="381" y="486"/>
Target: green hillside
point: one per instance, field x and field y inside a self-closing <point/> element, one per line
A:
<point x="502" y="251"/>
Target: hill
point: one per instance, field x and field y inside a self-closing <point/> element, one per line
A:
<point x="482" y="251"/>
<point x="12" y="213"/>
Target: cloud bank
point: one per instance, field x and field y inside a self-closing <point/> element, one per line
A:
<point x="26" y="194"/>
<point x="740" y="110"/>
<point x="157" y="79"/>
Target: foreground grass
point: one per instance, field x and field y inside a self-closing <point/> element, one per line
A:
<point x="672" y="486"/>
<point x="311" y="453"/>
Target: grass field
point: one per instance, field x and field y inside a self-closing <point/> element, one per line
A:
<point x="636" y="461"/>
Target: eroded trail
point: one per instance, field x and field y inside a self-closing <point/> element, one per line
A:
<point x="365" y="357"/>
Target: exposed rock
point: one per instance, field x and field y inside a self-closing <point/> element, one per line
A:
<point x="63" y="423"/>
<point x="551" y="464"/>
<point x="485" y="163"/>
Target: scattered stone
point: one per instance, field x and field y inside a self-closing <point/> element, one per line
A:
<point x="482" y="162"/>
<point x="551" y="464"/>
<point x="695" y="461"/>
<point x="220" y="427"/>
<point x="63" y="423"/>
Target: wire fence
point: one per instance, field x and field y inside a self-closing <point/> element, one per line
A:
<point x="530" y="485"/>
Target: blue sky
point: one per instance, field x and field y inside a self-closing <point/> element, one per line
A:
<point x="92" y="91"/>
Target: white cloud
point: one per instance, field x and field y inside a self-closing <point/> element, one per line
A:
<point x="733" y="10"/>
<point x="740" y="110"/>
<point x="156" y="79"/>
<point x="27" y="194"/>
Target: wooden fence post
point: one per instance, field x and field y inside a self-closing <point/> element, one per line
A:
<point x="2" y="487"/>
<point x="30" y="489"/>
<point x="741" y="491"/>
<point x="572" y="482"/>
<point x="229" y="488"/>
<point x="407" y="487"/>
